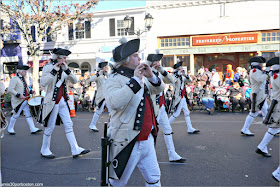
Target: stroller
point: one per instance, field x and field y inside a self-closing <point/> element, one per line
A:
<point x="221" y="99"/>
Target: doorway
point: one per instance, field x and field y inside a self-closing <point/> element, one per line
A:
<point x="221" y="66"/>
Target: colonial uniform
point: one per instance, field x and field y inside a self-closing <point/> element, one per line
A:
<point x="132" y="125"/>
<point x="258" y="93"/>
<point x="160" y="109"/>
<point x="17" y="88"/>
<point x="55" y="108"/>
<point x="179" y="99"/>
<point x="100" y="79"/>
<point x="273" y="123"/>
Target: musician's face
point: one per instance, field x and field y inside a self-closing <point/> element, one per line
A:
<point x="23" y="73"/>
<point x="156" y="64"/>
<point x="134" y="61"/>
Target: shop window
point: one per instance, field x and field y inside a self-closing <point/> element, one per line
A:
<point x="167" y="61"/>
<point x="174" y="42"/>
<point x="271" y="36"/>
<point x="198" y="63"/>
<point x="243" y="60"/>
<point x="185" y="59"/>
<point x="268" y="55"/>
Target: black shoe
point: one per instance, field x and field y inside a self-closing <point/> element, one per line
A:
<point x="194" y="132"/>
<point x="82" y="153"/>
<point x="275" y="178"/>
<point x="48" y="156"/>
<point x="252" y="134"/>
<point x="95" y="130"/>
<point x="181" y="160"/>
<point x="39" y="130"/>
<point x="263" y="153"/>
<point x="12" y="133"/>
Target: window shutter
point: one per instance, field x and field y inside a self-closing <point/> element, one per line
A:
<point x="48" y="36"/>
<point x="33" y="32"/>
<point x="88" y="29"/>
<point x="70" y="32"/>
<point x="112" y="27"/>
<point x="131" y="30"/>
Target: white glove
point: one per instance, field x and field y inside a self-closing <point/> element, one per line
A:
<point x="65" y="67"/>
<point x="161" y="70"/>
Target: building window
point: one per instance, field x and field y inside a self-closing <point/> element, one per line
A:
<point x="271" y="36"/>
<point x="174" y="42"/>
<point x="82" y="30"/>
<point x="120" y="28"/>
<point x="167" y="61"/>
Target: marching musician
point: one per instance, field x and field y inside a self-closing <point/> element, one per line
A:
<point x="20" y="94"/>
<point x="258" y="92"/>
<point x="272" y="119"/>
<point x="55" y="107"/>
<point x="100" y="77"/>
<point x="132" y="125"/>
<point x="159" y="106"/>
<point x="179" y="101"/>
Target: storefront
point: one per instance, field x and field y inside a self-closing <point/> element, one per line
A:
<point x="218" y="50"/>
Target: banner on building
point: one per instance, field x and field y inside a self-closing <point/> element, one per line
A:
<point x="225" y="39"/>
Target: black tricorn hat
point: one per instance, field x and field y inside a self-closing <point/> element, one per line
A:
<point x="102" y="64"/>
<point x="22" y="67"/>
<point x="273" y="61"/>
<point x="125" y="49"/>
<point x="178" y="64"/>
<point x="60" y="51"/>
<point x="154" y="57"/>
<point x="258" y="59"/>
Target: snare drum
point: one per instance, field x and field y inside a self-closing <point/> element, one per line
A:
<point x="34" y="104"/>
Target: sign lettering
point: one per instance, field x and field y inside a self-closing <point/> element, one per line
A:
<point x="225" y="39"/>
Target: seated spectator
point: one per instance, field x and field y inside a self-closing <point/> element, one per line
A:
<point x="229" y="75"/>
<point x="215" y="79"/>
<point x="237" y="74"/>
<point x="237" y="96"/>
<point x="192" y="77"/>
<point x="207" y="98"/>
<point x="201" y="77"/>
<point x="221" y="99"/>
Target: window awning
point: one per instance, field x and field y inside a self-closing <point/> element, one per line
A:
<point x="41" y="63"/>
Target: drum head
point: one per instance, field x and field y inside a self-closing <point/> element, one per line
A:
<point x="35" y="101"/>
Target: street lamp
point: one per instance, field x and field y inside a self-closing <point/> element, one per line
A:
<point x="148" y="21"/>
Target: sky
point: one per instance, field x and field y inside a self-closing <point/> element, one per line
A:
<point x="114" y="4"/>
<point x="102" y="4"/>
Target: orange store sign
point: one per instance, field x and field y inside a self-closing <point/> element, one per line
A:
<point x="225" y="39"/>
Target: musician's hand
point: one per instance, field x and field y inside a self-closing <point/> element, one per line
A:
<point x="33" y="92"/>
<point x="22" y="97"/>
<point x="147" y="71"/>
<point x="138" y="73"/>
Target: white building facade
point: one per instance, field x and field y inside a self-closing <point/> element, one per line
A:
<point x="210" y="33"/>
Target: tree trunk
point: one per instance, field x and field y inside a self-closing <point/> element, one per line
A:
<point x="35" y="74"/>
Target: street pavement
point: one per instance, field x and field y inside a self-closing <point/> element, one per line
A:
<point x="218" y="156"/>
